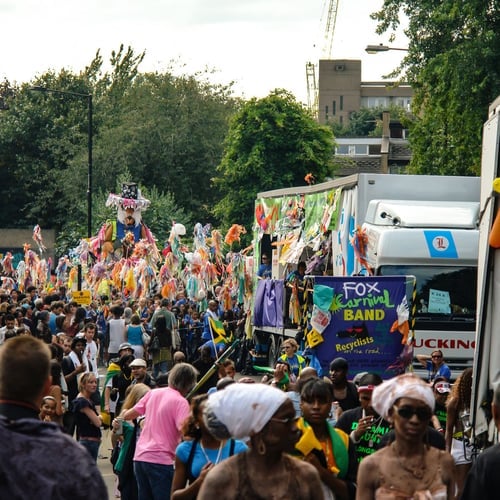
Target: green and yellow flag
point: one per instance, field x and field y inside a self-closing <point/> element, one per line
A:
<point x="218" y="332"/>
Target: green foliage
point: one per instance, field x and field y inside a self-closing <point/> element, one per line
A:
<point x="272" y="143"/>
<point x="367" y="122"/>
<point x="452" y="64"/>
<point x="169" y="132"/>
<point x="162" y="131"/>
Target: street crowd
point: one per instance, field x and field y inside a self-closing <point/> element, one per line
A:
<point x="184" y="426"/>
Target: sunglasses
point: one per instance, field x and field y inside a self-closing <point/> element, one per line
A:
<point x="406" y="412"/>
<point x="285" y="421"/>
<point x="436" y="356"/>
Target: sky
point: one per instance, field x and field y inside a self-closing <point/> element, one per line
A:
<point x="259" y="44"/>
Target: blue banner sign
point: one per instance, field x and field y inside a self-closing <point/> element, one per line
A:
<point x="369" y="324"/>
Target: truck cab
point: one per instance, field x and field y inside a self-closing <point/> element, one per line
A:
<point x="437" y="242"/>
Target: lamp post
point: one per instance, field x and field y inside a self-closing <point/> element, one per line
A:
<point x="374" y="49"/>
<point x="89" y="144"/>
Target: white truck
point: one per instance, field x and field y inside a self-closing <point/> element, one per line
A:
<point x="425" y="226"/>
<point x="487" y="354"/>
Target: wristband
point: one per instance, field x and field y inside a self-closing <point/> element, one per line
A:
<point x="352" y="435"/>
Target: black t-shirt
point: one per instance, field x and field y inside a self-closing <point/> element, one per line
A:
<point x="351" y="399"/>
<point x="83" y="424"/>
<point x="483" y="480"/>
<point x="121" y="382"/>
<point x="369" y="441"/>
<point x="440" y="412"/>
<point x="68" y="366"/>
<point x="203" y="366"/>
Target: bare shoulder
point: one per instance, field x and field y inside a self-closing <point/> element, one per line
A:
<point x="369" y="472"/>
<point x="307" y="477"/>
<point x="221" y="483"/>
<point x="445" y="461"/>
<point x="451" y="403"/>
<point x="373" y="461"/>
<point x="304" y="470"/>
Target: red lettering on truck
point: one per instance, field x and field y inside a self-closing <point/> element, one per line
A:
<point x="445" y="344"/>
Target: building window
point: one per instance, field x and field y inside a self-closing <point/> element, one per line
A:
<point x="403" y="102"/>
<point x="341" y="103"/>
<point x="353" y="149"/>
<point x="374" y="102"/>
<point x="341" y="119"/>
<point x="334" y="108"/>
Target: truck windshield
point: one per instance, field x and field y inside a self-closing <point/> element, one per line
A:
<point x="444" y="295"/>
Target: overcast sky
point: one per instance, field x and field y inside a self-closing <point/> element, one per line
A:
<point x="259" y="44"/>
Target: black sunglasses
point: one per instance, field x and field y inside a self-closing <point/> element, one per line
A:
<point x="406" y="412"/>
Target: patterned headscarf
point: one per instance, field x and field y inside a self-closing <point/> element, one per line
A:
<point x="403" y="386"/>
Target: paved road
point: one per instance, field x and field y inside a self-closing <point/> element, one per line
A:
<point x="105" y="465"/>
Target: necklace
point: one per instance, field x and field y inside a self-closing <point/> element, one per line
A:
<point x="377" y="425"/>
<point x="217" y="460"/>
<point x="417" y="470"/>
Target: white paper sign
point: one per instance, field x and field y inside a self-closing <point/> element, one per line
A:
<point x="439" y="302"/>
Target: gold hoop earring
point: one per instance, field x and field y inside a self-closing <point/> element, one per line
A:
<point x="261" y="447"/>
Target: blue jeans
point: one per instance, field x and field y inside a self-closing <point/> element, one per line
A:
<point x="154" y="481"/>
<point x="92" y="447"/>
<point x="161" y="367"/>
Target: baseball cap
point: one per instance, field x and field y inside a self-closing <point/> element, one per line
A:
<point x="139" y="362"/>
<point x="442" y="387"/>
<point x="125" y="345"/>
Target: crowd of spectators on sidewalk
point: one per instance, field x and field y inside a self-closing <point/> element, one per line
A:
<point x="155" y="351"/>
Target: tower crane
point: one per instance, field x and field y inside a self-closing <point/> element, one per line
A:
<point x="312" y="81"/>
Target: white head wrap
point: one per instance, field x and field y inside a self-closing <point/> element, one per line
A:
<point x="403" y="386"/>
<point x="241" y="410"/>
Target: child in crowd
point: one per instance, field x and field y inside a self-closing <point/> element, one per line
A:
<point x="48" y="409"/>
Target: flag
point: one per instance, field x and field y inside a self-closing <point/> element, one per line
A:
<point x="218" y="332"/>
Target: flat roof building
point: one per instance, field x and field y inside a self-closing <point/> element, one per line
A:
<point x="341" y="91"/>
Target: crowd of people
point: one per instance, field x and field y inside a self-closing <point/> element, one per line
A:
<point x="183" y="427"/>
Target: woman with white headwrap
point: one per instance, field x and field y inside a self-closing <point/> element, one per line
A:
<point x="266" y="416"/>
<point x="408" y="467"/>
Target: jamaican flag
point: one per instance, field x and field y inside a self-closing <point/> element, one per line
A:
<point x="219" y="334"/>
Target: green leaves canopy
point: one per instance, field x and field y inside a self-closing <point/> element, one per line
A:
<point x="272" y="143"/>
<point x="452" y="64"/>
<point x="165" y="132"/>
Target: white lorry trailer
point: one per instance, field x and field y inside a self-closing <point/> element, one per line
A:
<point x="487" y="354"/>
<point x="425" y="226"/>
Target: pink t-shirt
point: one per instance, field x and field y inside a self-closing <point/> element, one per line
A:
<point x="165" y="410"/>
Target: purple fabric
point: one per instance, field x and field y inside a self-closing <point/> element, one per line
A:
<point x="268" y="307"/>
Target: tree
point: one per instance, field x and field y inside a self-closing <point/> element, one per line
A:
<point x="272" y="143"/>
<point x="367" y="122"/>
<point x="169" y="131"/>
<point x="166" y="132"/>
<point x="452" y="64"/>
